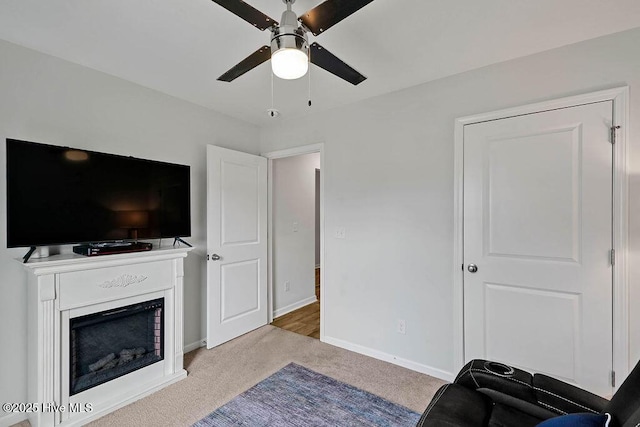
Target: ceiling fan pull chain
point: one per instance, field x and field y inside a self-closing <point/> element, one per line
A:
<point x="272" y="107"/>
<point x="309" y="72"/>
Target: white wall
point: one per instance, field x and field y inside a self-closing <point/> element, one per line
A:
<point x="294" y="188"/>
<point x="45" y="99"/>
<point x="388" y="174"/>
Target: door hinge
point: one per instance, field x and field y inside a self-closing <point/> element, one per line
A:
<point x="613" y="378"/>
<point x="613" y="134"/>
<point x="462" y="267"/>
<point x="613" y="257"/>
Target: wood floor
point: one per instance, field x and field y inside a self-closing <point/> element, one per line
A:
<point x="303" y="321"/>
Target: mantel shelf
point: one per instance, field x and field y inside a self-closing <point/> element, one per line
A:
<point x="73" y="262"/>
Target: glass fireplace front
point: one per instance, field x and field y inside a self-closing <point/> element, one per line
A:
<point x="112" y="343"/>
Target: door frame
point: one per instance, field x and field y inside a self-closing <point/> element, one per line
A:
<point x="280" y="154"/>
<point x="620" y="286"/>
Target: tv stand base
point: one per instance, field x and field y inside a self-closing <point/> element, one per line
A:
<point x="25" y="258"/>
<point x="179" y="240"/>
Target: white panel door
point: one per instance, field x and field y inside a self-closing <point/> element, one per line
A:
<point x="236" y="244"/>
<point x="538" y="226"/>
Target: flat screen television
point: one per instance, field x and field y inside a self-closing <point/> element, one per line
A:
<point x="60" y="195"/>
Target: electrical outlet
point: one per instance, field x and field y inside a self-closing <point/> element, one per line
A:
<point x="296" y="226"/>
<point x="340" y="233"/>
<point x="287" y="286"/>
<point x="402" y="326"/>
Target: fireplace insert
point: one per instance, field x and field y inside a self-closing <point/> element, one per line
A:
<point x="113" y="343"/>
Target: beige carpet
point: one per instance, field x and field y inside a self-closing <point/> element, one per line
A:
<point x="218" y="375"/>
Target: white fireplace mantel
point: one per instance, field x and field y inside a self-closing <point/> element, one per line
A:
<point x="62" y="287"/>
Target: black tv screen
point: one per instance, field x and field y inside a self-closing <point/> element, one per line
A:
<point x="62" y="195"/>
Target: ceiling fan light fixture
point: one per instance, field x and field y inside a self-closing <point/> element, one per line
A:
<point x="289" y="63"/>
<point x="289" y="47"/>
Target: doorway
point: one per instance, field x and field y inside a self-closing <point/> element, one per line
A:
<point x="514" y="227"/>
<point x="295" y="230"/>
<point x="240" y="251"/>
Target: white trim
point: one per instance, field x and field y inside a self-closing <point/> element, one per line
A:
<point x="620" y="97"/>
<point x="386" y="357"/>
<point x="279" y="154"/>
<point x="458" y="242"/>
<point x="292" y="307"/>
<point x="194" y="345"/>
<point x="621" y="357"/>
<point x="554" y="104"/>
<point x="270" y="285"/>
<point x="11" y="419"/>
<point x="295" y="151"/>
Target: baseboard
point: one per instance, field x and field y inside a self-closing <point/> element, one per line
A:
<point x="296" y="305"/>
<point x="194" y="345"/>
<point x="386" y="357"/>
<point x="11" y="419"/>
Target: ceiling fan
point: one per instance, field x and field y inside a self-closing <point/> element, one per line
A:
<point x="290" y="52"/>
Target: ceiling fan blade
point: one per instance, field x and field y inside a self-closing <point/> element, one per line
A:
<point x="327" y="60"/>
<point x="327" y="14"/>
<point x="249" y="63"/>
<point x="248" y="13"/>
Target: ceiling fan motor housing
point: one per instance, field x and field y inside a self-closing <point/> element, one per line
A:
<point x="289" y="35"/>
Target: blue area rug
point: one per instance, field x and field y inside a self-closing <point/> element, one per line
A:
<point x="298" y="397"/>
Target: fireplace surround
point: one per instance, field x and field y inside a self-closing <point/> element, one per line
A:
<point x="103" y="332"/>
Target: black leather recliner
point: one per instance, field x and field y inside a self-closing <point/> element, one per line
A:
<point x="492" y="394"/>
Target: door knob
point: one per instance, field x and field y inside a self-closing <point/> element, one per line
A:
<point x="472" y="268"/>
<point x="215" y="257"/>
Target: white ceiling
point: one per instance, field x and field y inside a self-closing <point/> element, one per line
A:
<point x="180" y="47"/>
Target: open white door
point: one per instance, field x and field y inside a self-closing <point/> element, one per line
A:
<point x="236" y="244"/>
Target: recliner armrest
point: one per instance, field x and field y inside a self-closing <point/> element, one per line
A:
<point x="455" y="405"/>
<point x="483" y="374"/>
<point x="565" y="398"/>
